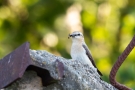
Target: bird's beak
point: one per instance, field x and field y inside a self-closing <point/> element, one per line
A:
<point x="69" y="36"/>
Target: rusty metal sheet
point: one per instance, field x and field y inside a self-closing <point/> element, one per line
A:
<point x="14" y="65"/>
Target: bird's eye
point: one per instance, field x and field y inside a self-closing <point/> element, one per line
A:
<point x="78" y="34"/>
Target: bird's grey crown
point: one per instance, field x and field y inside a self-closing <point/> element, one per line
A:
<point x="76" y="33"/>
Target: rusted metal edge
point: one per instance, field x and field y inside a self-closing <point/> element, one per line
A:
<point x="118" y="63"/>
<point x="60" y="69"/>
<point x="13" y="66"/>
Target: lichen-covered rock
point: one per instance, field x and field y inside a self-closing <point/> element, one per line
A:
<point x="77" y="76"/>
<point x="29" y="81"/>
<point x="68" y="74"/>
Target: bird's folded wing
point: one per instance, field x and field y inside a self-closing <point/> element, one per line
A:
<point x="90" y="57"/>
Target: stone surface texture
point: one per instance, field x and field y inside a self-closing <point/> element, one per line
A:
<point x="76" y="75"/>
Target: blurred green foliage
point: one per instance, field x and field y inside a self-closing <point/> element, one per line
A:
<point x="108" y="27"/>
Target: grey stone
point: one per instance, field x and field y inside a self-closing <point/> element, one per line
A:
<point x="29" y="81"/>
<point x="77" y="76"/>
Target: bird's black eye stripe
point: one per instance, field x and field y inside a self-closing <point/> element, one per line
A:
<point x="77" y="35"/>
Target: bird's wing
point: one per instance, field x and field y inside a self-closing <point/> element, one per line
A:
<point x="90" y="57"/>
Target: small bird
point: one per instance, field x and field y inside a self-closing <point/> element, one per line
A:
<point x="80" y="51"/>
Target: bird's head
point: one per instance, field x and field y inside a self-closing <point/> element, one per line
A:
<point x="76" y="36"/>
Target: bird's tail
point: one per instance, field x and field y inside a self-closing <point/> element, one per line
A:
<point x="99" y="72"/>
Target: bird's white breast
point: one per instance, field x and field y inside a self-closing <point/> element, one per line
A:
<point x="79" y="53"/>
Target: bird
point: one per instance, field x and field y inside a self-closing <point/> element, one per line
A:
<point x="80" y="51"/>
